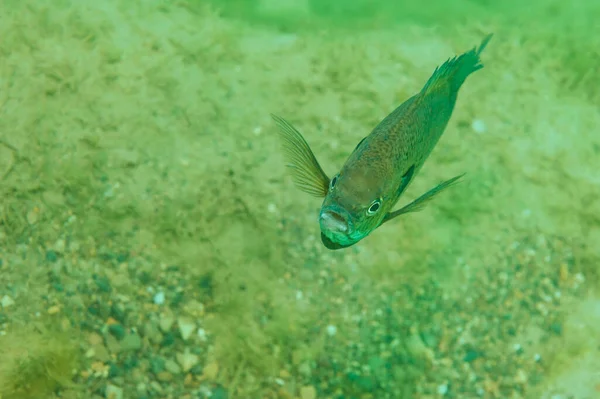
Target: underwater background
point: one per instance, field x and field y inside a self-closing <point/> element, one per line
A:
<point x="152" y="244"/>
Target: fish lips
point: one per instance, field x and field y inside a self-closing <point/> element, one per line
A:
<point x="337" y="223"/>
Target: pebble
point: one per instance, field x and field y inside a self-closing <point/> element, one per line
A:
<point x="7" y="301"/>
<point x="151" y="331"/>
<point x="164" y="376"/>
<point x="186" y="327"/>
<point x="113" y="392"/>
<point x="187" y="360"/>
<point x="210" y="371"/>
<point x="166" y="321"/>
<point x="304" y="369"/>
<point x="172" y="367"/>
<point x="159" y="298"/>
<point x="443" y="389"/>
<point x="478" y="126"/>
<point x="331" y="330"/>
<point x="308" y="392"/>
<point x="53" y="309"/>
<point x="33" y="216"/>
<point x="156" y="387"/>
<point x="117" y="331"/>
<point x="132" y="342"/>
<point x="219" y="393"/>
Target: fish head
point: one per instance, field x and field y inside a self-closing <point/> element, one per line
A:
<point x="354" y="206"/>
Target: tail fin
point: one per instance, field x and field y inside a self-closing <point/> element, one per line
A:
<point x="456" y="69"/>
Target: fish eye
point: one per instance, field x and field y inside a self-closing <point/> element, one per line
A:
<point x="333" y="182"/>
<point x="375" y="206"/>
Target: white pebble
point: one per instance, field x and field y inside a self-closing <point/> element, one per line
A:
<point x="202" y="334"/>
<point x="443" y="389"/>
<point x="6" y="301"/>
<point x="478" y="126"/>
<point x="279" y="381"/>
<point x="331" y="330"/>
<point x="159" y="298"/>
<point x="537" y="357"/>
<point x="299" y="295"/>
<point x="186" y="327"/>
<point x="526" y="213"/>
<point x="517" y="347"/>
<point x="272" y="208"/>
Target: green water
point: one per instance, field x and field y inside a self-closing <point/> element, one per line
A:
<point x="153" y="245"/>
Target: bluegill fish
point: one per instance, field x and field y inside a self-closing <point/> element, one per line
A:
<point x="362" y="195"/>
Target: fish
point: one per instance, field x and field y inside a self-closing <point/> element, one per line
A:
<point x="362" y="195"/>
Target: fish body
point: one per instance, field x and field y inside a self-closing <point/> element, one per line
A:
<point x="361" y="196"/>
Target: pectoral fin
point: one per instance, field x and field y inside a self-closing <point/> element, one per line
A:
<point x="406" y="178"/>
<point x="305" y="169"/>
<point x="420" y="202"/>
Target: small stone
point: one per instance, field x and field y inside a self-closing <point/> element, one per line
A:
<point x="284" y="374"/>
<point x="103" y="284"/>
<point x="151" y="331"/>
<point x="159" y="298"/>
<point x="202" y="334"/>
<point x="7" y="301"/>
<point x="168" y="340"/>
<point x="331" y="330"/>
<point x="156" y="386"/>
<point x="101" y="353"/>
<point x="117" y="331"/>
<point x="471" y="355"/>
<point x="219" y="393"/>
<point x="210" y="371"/>
<point x="556" y="328"/>
<point x="187" y="360"/>
<point x="172" y="367"/>
<point x="113" y="392"/>
<point x="564" y="272"/>
<point x="304" y="369"/>
<point x="164" y="376"/>
<point x="33" y="216"/>
<point x="166" y="322"/>
<point x="478" y="126"/>
<point x="51" y="256"/>
<point x="131" y="343"/>
<point x="442" y="389"/>
<point x="53" y="309"/>
<point x="521" y="377"/>
<point x="59" y="246"/>
<point x="308" y="392"/>
<point x="157" y="365"/>
<point x="186" y="327"/>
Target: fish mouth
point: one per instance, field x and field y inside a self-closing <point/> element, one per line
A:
<point x="335" y="221"/>
<point x="336" y="227"/>
<point x="332" y="245"/>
